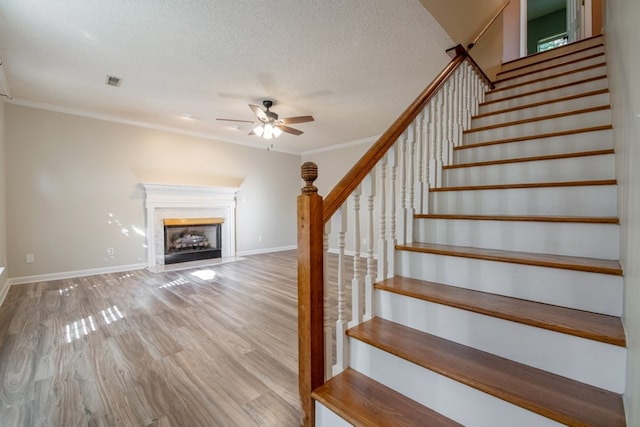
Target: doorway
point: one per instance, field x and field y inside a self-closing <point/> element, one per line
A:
<point x="545" y="24"/>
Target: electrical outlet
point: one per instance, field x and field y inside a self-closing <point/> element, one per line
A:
<point x="29" y="259"/>
<point x="110" y="251"/>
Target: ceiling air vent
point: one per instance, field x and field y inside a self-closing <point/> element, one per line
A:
<point x="114" y="81"/>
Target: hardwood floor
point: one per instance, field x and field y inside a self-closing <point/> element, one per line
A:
<point x="213" y="346"/>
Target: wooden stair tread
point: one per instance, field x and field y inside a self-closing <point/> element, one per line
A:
<point x="530" y="137"/>
<point x="529" y="218"/>
<point x="561" y="399"/>
<point x="362" y="401"/>
<point x="564" y="73"/>
<point x="527" y="185"/>
<point x="530" y="159"/>
<point x="562" y="64"/>
<point x="537" y="119"/>
<point x="584" y="324"/>
<point x="593" y="265"/>
<point x="538" y="104"/>
<point x="547" y="89"/>
<point x="549" y="58"/>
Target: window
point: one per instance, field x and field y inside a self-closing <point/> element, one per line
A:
<point x="552" y="42"/>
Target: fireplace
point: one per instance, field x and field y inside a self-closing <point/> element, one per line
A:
<point x="192" y="239"/>
<point x="192" y="204"/>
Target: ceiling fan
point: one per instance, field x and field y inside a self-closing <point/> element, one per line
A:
<point x="269" y="125"/>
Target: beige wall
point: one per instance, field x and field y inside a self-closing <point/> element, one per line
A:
<point x="463" y="20"/>
<point x="3" y="205"/>
<point x="71" y="178"/>
<point x="622" y="34"/>
<point x="335" y="163"/>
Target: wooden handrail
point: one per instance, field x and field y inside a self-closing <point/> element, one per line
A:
<point x="361" y="169"/>
<point x="484" y="30"/>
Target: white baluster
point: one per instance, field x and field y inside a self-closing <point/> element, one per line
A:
<point x="328" y="329"/>
<point x="382" y="236"/>
<point x="369" y="186"/>
<point x="431" y="144"/>
<point x="391" y="250"/>
<point x="461" y="117"/>
<point x="402" y="179"/>
<point x="467" y="94"/>
<point x="342" y="349"/>
<point x="357" y="283"/>
<point x="420" y="196"/>
<point x="409" y="208"/>
<point x="439" y="139"/>
<point x="448" y="157"/>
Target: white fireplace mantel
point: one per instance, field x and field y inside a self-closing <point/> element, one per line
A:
<point x="187" y="201"/>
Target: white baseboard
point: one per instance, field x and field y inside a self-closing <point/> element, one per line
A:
<point x="72" y="274"/>
<point x="266" y="250"/>
<point x="363" y="254"/>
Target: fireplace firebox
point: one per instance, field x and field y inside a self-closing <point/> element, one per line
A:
<point x="192" y="239"/>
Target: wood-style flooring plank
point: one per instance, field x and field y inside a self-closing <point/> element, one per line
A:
<point x="561" y="399"/>
<point x="204" y="346"/>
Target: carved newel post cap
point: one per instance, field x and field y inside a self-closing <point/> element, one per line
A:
<point x="309" y="173"/>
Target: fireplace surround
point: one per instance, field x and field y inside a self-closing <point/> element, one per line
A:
<point x="188" y="203"/>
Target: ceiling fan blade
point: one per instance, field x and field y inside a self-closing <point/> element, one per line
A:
<point x="259" y="112"/>
<point x="292" y="131"/>
<point x="234" y="120"/>
<point x="251" y="133"/>
<point x="298" y="119"/>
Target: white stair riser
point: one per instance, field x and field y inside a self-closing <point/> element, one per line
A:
<point x="585" y="48"/>
<point x="592" y="362"/>
<point x="325" y="417"/>
<point x="594" y="167"/>
<point x="518" y="78"/>
<point x="452" y="399"/>
<point x="599" y="293"/>
<point x="542" y="110"/>
<point x="572" y="143"/>
<point x="546" y="83"/>
<point x="574" y="89"/>
<point x="570" y="239"/>
<point x="559" y="124"/>
<point x="596" y="200"/>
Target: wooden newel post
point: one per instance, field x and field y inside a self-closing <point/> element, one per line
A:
<point x="310" y="292"/>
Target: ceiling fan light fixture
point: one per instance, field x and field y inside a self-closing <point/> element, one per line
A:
<point x="268" y="131"/>
<point x="259" y="130"/>
<point x="276" y="131"/>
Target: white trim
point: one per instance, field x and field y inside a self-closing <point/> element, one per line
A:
<point x="73" y="274"/>
<point x="523" y="28"/>
<point x="363" y="254"/>
<point x="267" y="250"/>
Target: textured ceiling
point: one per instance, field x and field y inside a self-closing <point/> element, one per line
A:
<point x="352" y="64"/>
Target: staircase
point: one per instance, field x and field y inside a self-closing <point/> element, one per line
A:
<point x="505" y="309"/>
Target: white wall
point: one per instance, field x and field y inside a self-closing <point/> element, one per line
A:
<point x="3" y="206"/>
<point x="73" y="189"/>
<point x="622" y="36"/>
